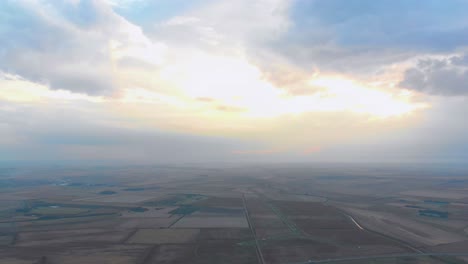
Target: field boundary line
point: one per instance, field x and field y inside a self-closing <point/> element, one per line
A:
<point x="260" y="258"/>
<point x="173" y="223"/>
<point x="147" y="255"/>
<point x="127" y="237"/>
<point x="394" y="239"/>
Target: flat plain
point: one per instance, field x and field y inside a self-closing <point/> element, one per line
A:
<point x="275" y="214"/>
<point x="211" y="222"/>
<point x="163" y="236"/>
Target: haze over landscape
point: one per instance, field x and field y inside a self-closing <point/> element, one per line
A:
<point x="233" y="131"/>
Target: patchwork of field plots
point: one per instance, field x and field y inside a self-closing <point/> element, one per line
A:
<point x="292" y="231"/>
<point x="413" y="231"/>
<point x="204" y="252"/>
<point x="203" y="216"/>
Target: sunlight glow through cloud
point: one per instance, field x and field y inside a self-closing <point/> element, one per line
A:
<point x="277" y="74"/>
<point x="235" y="82"/>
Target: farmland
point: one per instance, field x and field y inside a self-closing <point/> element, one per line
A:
<point x="164" y="236"/>
<point x="301" y="214"/>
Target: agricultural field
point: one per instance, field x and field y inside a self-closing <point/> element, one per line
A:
<point x="57" y="210"/>
<point x="150" y="212"/>
<point x="163" y="236"/>
<point x="62" y="237"/>
<point x="118" y="198"/>
<point x="211" y="222"/>
<point x="228" y="215"/>
<point x="134" y="222"/>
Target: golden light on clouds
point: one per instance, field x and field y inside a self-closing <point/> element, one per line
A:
<point x="222" y="85"/>
<point x="348" y="95"/>
<point x="235" y="86"/>
<point x="221" y="88"/>
<point x="256" y="75"/>
<point x="195" y="91"/>
<point x="17" y="89"/>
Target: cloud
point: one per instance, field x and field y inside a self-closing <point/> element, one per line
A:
<point x="360" y="37"/>
<point x="75" y="46"/>
<point x="439" y="76"/>
<point x="228" y="108"/>
<point x="86" y="47"/>
<point x="110" y="79"/>
<point x="148" y="12"/>
<point x="408" y="24"/>
<point x="217" y="27"/>
<point x="44" y="45"/>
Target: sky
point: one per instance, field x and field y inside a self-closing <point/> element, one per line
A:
<point x="175" y="81"/>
